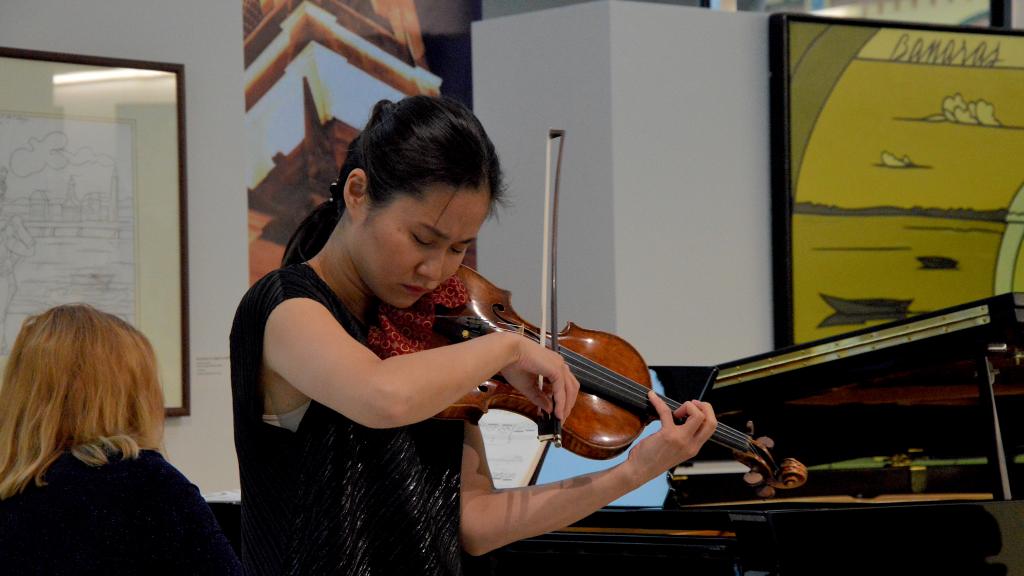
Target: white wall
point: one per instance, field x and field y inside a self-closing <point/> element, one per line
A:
<point x="207" y="38"/>
<point x="691" y="187"/>
<point x="527" y="80"/>
<point x="665" y="228"/>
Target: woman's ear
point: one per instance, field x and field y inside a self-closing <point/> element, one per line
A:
<point x="356" y="194"/>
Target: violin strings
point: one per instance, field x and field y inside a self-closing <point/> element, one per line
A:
<point x="611" y="381"/>
<point x="630" y="391"/>
<point x="627" y="390"/>
<point x="729" y="436"/>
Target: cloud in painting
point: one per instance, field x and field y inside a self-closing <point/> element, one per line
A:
<point x="52" y="150"/>
<point x="957" y="110"/>
<point x="87" y="156"/>
<point x="40" y="153"/>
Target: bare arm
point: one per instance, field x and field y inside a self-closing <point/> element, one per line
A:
<point x="492" y="518"/>
<point x="306" y="346"/>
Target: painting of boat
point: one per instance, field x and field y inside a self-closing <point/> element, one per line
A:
<point x="937" y="263"/>
<point x="848" y="311"/>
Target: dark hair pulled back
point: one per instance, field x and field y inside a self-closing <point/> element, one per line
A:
<point x="405" y="147"/>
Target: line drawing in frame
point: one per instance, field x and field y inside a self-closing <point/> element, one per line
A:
<point x="66" y="210"/>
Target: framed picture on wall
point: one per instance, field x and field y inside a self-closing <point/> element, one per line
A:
<point x="897" y="180"/>
<point x="92" y="197"/>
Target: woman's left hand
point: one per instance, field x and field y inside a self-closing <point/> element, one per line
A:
<point x="674" y="443"/>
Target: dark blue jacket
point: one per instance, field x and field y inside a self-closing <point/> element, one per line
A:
<point x="137" y="516"/>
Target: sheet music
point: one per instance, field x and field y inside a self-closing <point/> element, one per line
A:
<point x="513" y="450"/>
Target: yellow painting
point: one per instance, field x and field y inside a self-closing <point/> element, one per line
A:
<point x="905" y="152"/>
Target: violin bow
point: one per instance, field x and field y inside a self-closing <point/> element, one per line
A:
<point x="550" y="428"/>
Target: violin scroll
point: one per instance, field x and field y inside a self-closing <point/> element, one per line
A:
<point x="765" y="476"/>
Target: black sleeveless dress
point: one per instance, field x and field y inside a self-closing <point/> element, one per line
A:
<point x="336" y="497"/>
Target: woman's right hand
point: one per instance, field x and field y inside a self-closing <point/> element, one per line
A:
<point x="560" y="385"/>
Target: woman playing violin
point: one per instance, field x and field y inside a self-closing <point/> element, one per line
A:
<point x="343" y="468"/>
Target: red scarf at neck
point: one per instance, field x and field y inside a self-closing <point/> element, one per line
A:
<point x="407" y="330"/>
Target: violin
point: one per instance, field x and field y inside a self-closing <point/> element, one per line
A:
<point x="612" y="408"/>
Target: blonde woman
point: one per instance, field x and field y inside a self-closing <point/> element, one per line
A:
<point x="83" y="486"/>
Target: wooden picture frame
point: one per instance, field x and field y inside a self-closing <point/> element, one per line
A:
<point x="93" y="197"/>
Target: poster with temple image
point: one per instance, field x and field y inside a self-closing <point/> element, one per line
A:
<point x="898" y="179"/>
<point x="313" y="70"/>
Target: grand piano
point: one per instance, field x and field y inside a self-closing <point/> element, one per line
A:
<point x="913" y="436"/>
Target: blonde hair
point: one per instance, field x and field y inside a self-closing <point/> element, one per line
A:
<point x="77" y="380"/>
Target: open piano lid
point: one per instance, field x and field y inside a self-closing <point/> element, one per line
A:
<point x="903" y="406"/>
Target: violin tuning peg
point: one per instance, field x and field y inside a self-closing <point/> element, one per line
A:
<point x="766" y="442"/>
<point x="750" y="427"/>
<point x="753" y="478"/>
<point x="766" y="492"/>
